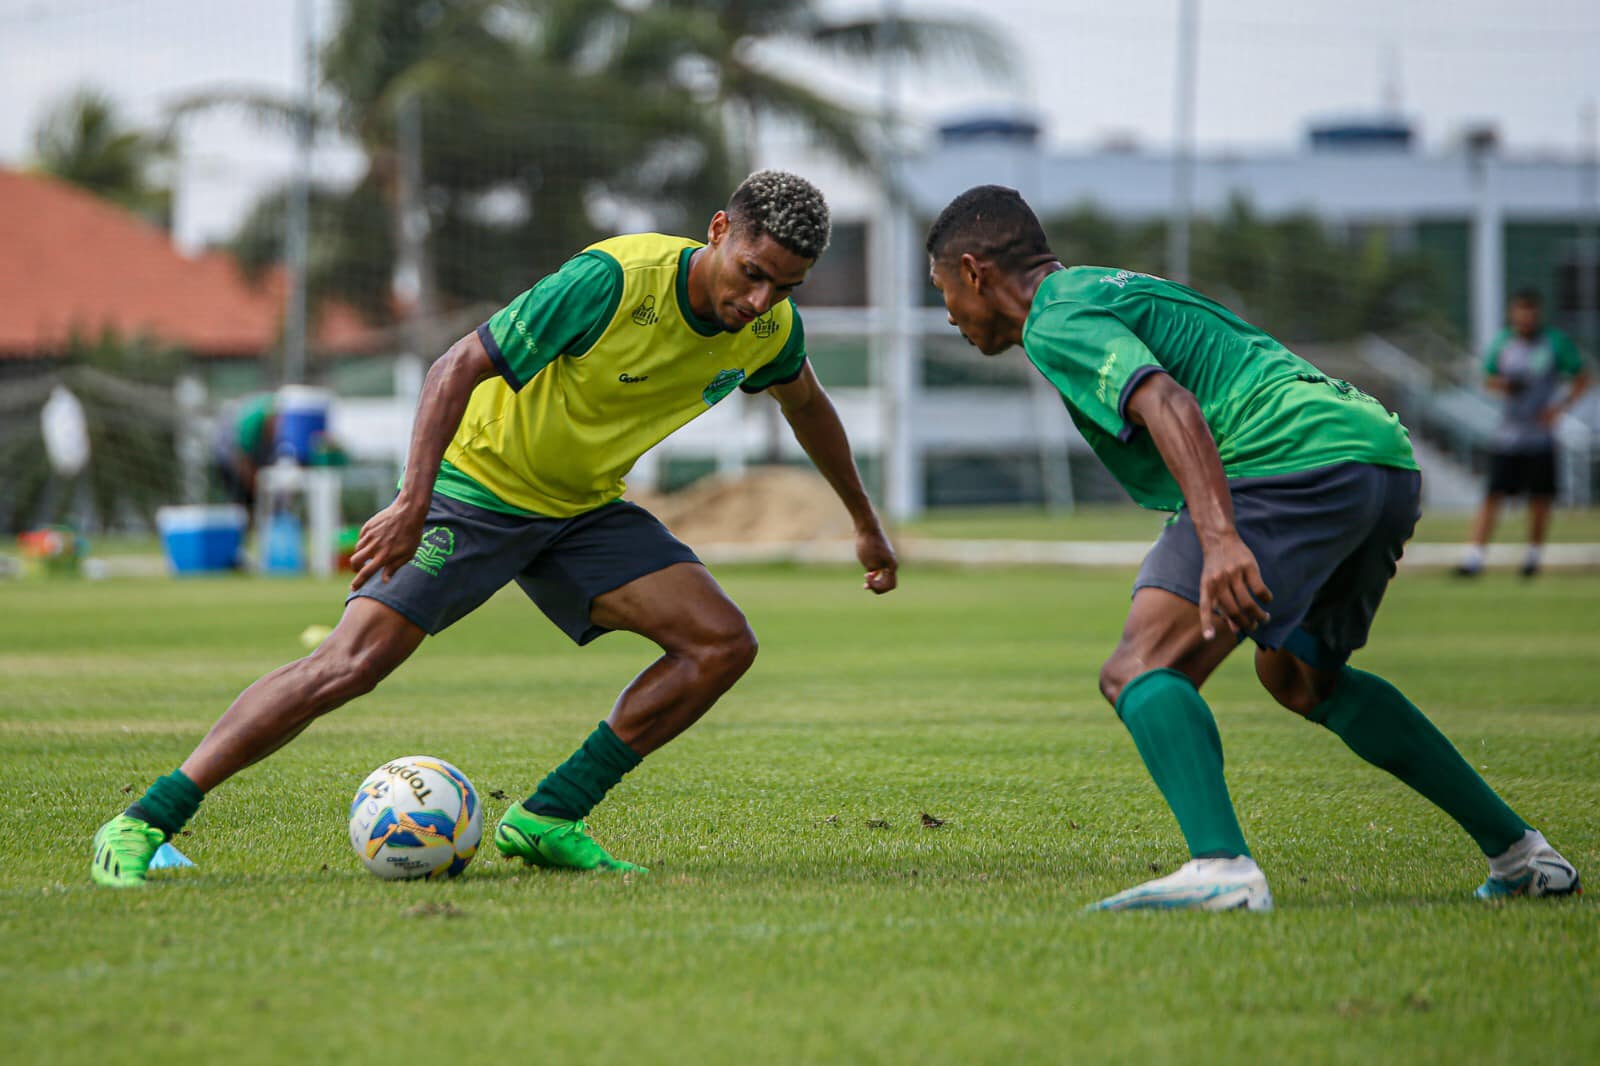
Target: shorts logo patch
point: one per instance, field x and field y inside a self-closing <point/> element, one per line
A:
<point x="438" y="544"/>
<point x="725" y="382"/>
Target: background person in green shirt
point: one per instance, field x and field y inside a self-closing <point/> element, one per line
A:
<point x="1295" y="494"/>
<point x="1538" y="374"/>
<point x="243" y="445"/>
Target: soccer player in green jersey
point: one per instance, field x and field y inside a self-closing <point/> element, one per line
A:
<point x="1294" y="494"/>
<point x="523" y="434"/>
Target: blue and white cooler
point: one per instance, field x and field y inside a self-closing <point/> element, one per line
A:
<point x="199" y="539"/>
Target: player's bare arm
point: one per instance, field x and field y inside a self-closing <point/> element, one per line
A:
<point x="1231" y="583"/>
<point x="390" y="537"/>
<point x="817" y="427"/>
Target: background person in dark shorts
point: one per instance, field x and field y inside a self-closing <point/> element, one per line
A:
<point x="1295" y="494"/>
<point x="1529" y="365"/>
<point x="524" y="432"/>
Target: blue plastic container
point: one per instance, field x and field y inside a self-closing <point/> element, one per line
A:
<point x="302" y="415"/>
<point x="285" y="550"/>
<point x="202" y="539"/>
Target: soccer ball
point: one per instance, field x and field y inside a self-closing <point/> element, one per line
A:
<point x="416" y="816"/>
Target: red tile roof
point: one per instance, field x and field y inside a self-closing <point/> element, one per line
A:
<point x="71" y="261"/>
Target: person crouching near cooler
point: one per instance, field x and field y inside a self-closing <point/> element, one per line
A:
<point x="1294" y="494"/>
<point x="524" y="432"/>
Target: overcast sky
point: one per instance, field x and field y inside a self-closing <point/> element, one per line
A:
<point x="1091" y="69"/>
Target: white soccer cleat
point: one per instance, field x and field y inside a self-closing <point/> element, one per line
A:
<point x="1539" y="870"/>
<point x="1198" y="885"/>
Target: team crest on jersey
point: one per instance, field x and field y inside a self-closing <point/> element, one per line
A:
<point x="725" y="382"/>
<point x="645" y="313"/>
<point x="764" y="326"/>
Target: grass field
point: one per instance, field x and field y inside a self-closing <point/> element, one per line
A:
<point x="798" y="911"/>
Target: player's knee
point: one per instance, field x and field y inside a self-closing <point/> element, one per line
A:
<point x="1296" y="691"/>
<point x="1115" y="673"/>
<point x="728" y="652"/>
<point x="1294" y="696"/>
<point x="341" y="675"/>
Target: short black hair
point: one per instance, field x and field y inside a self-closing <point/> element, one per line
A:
<point x="1531" y="297"/>
<point x="991" y="222"/>
<point x="784" y="206"/>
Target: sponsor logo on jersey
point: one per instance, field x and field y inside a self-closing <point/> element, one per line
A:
<point x="725" y="382"/>
<point x="645" y="313"/>
<point x="1102" y="391"/>
<point x="1121" y="278"/>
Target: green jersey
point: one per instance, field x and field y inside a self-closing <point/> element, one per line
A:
<point x="250" y="426"/>
<point x="1096" y="333"/>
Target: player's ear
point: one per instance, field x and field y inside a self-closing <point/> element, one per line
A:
<point x="718" y="230"/>
<point x="972" y="271"/>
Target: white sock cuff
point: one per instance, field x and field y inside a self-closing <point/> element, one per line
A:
<point x="1513" y="859"/>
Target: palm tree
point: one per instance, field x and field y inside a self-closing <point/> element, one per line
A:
<point x="83" y="140"/>
<point x="549" y="122"/>
<point x="730" y="48"/>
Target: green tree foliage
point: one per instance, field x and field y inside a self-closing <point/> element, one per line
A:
<point x="1292" y="275"/>
<point x="547" y="124"/>
<point x="83" y="139"/>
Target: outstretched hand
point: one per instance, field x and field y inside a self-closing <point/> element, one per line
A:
<point x="1231" y="586"/>
<point x="875" y="553"/>
<point x="387" y="542"/>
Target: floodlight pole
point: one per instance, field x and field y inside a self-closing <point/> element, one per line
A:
<point x="1183" y="148"/>
<point x="297" y="237"/>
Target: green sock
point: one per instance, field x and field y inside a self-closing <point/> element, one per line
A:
<point x="572" y="789"/>
<point x="1378" y="723"/>
<point x="169" y="803"/>
<point x="1176" y="736"/>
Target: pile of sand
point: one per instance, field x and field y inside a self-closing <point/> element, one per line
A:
<point x="764" y="505"/>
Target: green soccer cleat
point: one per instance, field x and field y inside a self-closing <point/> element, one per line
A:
<point x="123" y="849"/>
<point x="540" y="840"/>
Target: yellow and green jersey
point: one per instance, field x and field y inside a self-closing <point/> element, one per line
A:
<point x="598" y="363"/>
<point x="1096" y="333"/>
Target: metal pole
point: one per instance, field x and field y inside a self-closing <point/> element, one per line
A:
<point x="1488" y="244"/>
<point x="897" y="362"/>
<point x="1589" y="227"/>
<point x="297" y="238"/>
<point x="1183" y="149"/>
<point x="414" y="272"/>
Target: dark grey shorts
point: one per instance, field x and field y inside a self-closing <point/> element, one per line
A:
<point x="1523" y="473"/>
<point x="469" y="553"/>
<point x="1326" y="541"/>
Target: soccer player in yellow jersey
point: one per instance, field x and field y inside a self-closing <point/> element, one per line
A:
<point x="524" y="432"/>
